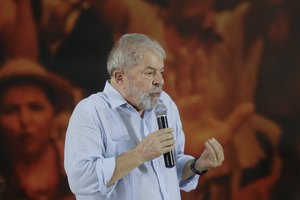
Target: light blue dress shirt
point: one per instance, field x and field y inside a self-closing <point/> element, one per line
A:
<point x="104" y="126"/>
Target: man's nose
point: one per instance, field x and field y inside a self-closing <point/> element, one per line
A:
<point x="158" y="79"/>
<point x="25" y="117"/>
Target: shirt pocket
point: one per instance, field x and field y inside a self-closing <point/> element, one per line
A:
<point x="119" y="140"/>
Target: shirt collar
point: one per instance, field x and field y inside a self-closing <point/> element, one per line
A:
<point x="114" y="97"/>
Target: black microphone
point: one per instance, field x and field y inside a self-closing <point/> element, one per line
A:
<point x="161" y="115"/>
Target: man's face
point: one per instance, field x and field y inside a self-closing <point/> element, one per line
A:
<point x="144" y="82"/>
<point x="26" y="117"/>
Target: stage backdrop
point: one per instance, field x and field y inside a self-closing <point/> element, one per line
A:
<point x="232" y="67"/>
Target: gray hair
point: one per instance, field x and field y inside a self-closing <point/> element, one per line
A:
<point x="129" y="50"/>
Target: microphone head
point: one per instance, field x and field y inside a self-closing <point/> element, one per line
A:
<point x="160" y="109"/>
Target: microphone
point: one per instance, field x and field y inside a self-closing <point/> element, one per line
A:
<point x="161" y="115"/>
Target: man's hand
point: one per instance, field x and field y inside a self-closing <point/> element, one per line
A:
<point x="152" y="146"/>
<point x="156" y="144"/>
<point x="211" y="157"/>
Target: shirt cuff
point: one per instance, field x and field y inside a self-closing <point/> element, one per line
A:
<point x="192" y="182"/>
<point x="105" y="174"/>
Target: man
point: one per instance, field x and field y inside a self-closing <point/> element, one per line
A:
<point x="31" y="100"/>
<point x="76" y="37"/>
<point x="113" y="146"/>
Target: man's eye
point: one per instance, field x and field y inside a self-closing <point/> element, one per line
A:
<point x="149" y="73"/>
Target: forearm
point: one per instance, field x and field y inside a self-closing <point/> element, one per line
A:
<point x="187" y="172"/>
<point x="125" y="163"/>
<point x="25" y="33"/>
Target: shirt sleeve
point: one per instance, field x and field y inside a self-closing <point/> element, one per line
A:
<point x="87" y="169"/>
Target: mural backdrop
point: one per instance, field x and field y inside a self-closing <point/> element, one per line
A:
<point x="233" y="67"/>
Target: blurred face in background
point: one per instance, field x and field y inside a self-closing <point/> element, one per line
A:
<point x="26" y="118"/>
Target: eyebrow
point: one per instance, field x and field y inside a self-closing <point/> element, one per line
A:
<point x="152" y="68"/>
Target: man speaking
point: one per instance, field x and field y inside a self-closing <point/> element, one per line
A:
<point x="115" y="148"/>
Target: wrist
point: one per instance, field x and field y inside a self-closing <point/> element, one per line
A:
<point x="137" y="155"/>
<point x="196" y="171"/>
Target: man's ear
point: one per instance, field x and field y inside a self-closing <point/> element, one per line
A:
<point x="118" y="76"/>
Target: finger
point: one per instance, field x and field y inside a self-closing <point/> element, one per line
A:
<point x="217" y="144"/>
<point x="165" y="130"/>
<point x="211" y="152"/>
<point x="168" y="136"/>
<point x="216" y="153"/>
<point x="218" y="149"/>
<point x="162" y="132"/>
<point x="168" y="146"/>
<point x="165" y="136"/>
<point x="168" y="143"/>
<point x="239" y="115"/>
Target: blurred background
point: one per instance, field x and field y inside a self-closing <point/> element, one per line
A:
<point x="233" y="68"/>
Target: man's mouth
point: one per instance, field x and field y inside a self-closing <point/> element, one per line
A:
<point x="156" y="94"/>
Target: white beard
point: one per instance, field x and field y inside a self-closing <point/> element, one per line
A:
<point x="144" y="98"/>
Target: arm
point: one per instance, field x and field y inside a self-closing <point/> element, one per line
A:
<point x="211" y="157"/>
<point x="154" y="145"/>
<point x="23" y="40"/>
<point x="125" y="163"/>
<point x="89" y="168"/>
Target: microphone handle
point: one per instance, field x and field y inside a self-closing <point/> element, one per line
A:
<point x="168" y="157"/>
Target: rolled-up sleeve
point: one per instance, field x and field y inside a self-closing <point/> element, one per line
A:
<point x="182" y="159"/>
<point x="87" y="168"/>
<point x="192" y="182"/>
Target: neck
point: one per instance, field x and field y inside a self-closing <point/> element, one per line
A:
<point x="40" y="178"/>
<point x="45" y="154"/>
<point x="114" y="84"/>
<point x="141" y="112"/>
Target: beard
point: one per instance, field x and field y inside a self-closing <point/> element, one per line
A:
<point x="144" y="98"/>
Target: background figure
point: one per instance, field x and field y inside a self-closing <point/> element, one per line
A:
<point x="76" y="36"/>
<point x="18" y="33"/>
<point x="71" y="38"/>
<point x="30" y="101"/>
<point x="206" y="43"/>
<point x="278" y="87"/>
<point x="225" y="57"/>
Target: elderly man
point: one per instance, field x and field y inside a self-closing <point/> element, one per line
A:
<point x="113" y="146"/>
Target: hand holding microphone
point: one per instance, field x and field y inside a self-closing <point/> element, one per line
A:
<point x="161" y="142"/>
<point x="161" y="115"/>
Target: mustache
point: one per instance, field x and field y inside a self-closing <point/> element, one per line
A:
<point x="157" y="89"/>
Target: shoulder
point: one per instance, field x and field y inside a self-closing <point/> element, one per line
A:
<point x="168" y="101"/>
<point x="94" y="103"/>
<point x="95" y="100"/>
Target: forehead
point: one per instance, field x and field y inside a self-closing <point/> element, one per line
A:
<point x="22" y="93"/>
<point x="151" y="60"/>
